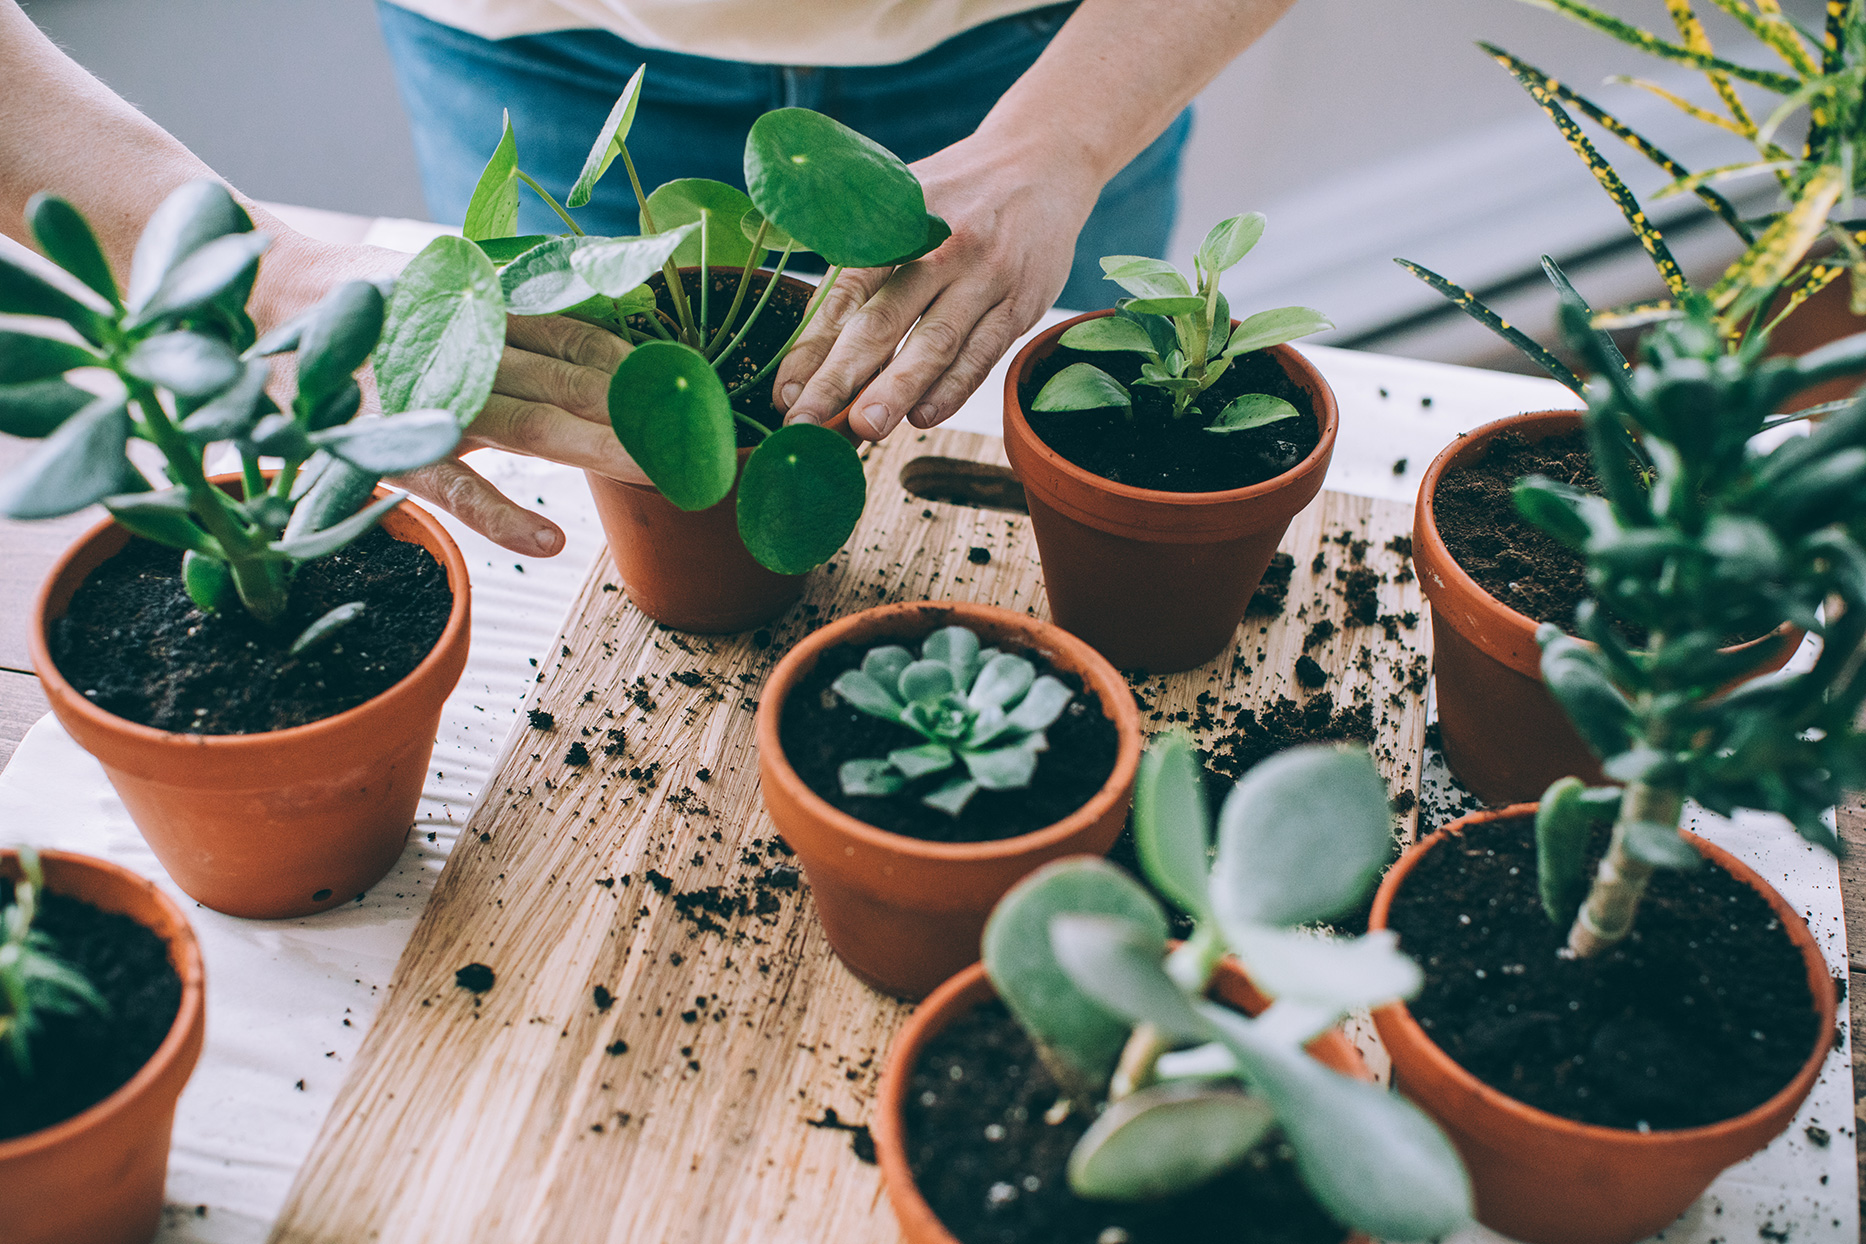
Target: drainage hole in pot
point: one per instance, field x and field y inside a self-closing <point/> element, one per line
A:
<point x="957" y="481"/>
<point x="320" y="896"/>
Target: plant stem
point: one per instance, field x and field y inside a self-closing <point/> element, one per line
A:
<point x="1138" y="1058"/>
<point x="738" y="296"/>
<point x="1613" y="900"/>
<point x="750" y="422"/>
<point x="550" y="202"/>
<point x="671" y="273"/>
<point x="719" y="359"/>
<point x="1191" y="967"/>
<point x="816" y="303"/>
<point x="706" y="285"/>
<point x="251" y="477"/>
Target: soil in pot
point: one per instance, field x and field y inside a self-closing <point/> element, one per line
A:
<point x="78" y="1060"/>
<point x="820" y="731"/>
<point x="1701" y="1014"/>
<point x="775" y="324"/>
<point x="993" y="1170"/>
<point x="1151" y="449"/>
<point x="135" y="645"/>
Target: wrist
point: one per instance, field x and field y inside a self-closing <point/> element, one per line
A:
<point x="297" y="271"/>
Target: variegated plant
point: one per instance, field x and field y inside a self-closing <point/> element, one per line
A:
<point x="1182" y="1089"/>
<point x="1183" y="335"/>
<point x="977" y="708"/>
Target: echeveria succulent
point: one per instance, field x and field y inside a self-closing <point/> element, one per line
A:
<point x="978" y="708"/>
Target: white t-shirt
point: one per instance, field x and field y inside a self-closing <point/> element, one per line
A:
<point x="776" y="32"/>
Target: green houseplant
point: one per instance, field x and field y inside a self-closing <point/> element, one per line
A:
<point x="1177" y="1090"/>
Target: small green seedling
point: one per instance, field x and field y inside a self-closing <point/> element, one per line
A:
<point x="1183" y="1089"/>
<point x="814" y="185"/>
<point x="173" y="361"/>
<point x="1183" y="334"/>
<point x="981" y="709"/>
<point x="34" y="981"/>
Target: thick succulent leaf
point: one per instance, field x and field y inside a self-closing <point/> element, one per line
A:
<point x="163" y="517"/>
<point x="1110" y="332"/>
<point x="957" y="648"/>
<point x="1173" y="823"/>
<point x="917" y="762"/>
<point x="1041" y="705"/>
<point x="1229" y="241"/>
<point x="318" y="544"/>
<point x="38" y="408"/>
<point x="392" y="445"/>
<point x="1121" y="964"/>
<point x="338" y="337"/>
<point x="1145" y="278"/>
<point x="800" y="497"/>
<point x="1300" y="839"/>
<point x="1080" y="1039"/>
<point x="1005" y="768"/>
<point x="338" y="406"/>
<point x="1082" y="386"/>
<point x="1273" y="328"/>
<point x="1002" y="680"/>
<point x="221" y="269"/>
<point x="1657" y="844"/>
<point x="338" y="491"/>
<point x="492" y="212"/>
<point x="24" y="292"/>
<point x="1252" y="410"/>
<point x="1166" y="1139"/>
<point x="234" y="411"/>
<point x="190" y="365"/>
<point x="615" y="266"/>
<point x="870" y="777"/>
<point x="280" y="436"/>
<point x="208" y="582"/>
<point x="1335" y="973"/>
<point x="444" y="332"/>
<point x="687" y="201"/>
<point x="1562" y="510"/>
<point x="953" y="796"/>
<point x="194" y="215"/>
<point x="79" y="464"/>
<point x="26" y="357"/>
<point x="326" y="627"/>
<point x="927" y="682"/>
<point x="541" y="281"/>
<point x="67" y="240"/>
<point x="885" y="663"/>
<point x="1575" y="676"/>
<point x="671" y="413"/>
<point x="868" y="694"/>
<point x="609" y="141"/>
<point x="1565" y="816"/>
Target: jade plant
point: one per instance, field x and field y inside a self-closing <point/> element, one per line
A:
<point x="175" y="361"/>
<point x="34" y="981"/>
<point x="1715" y="538"/>
<point x="979" y="709"/>
<point x="1180" y="1089"/>
<point x="1182" y="332"/>
<point x="814" y="185"/>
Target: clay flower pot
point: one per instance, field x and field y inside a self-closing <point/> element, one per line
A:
<point x="97" y="1177"/>
<point x="1155" y="580"/>
<point x="284" y="823"/>
<point x="689" y="569"/>
<point x="1503" y="734"/>
<point x="1547" y="1180"/>
<point x="972" y="988"/>
<point x="904" y="914"/>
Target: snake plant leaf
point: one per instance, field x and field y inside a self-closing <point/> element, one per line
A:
<point x="957" y="648"/>
<point x="1564" y="820"/>
<point x="1468" y="303"/>
<point x="1372" y="1159"/>
<point x="844" y="196"/>
<point x="689" y="199"/>
<point x="609" y="141"/>
<point x="503" y="251"/>
<point x="392" y="445"/>
<point x="1173" y="824"/>
<point x="79" y="464"/>
<point x="1003" y="679"/>
<point x="1041" y="705"/>
<point x="1121" y="964"/>
<point x="1079" y="1038"/>
<point x="953" y="796"/>
<point x="1252" y="410"/>
<point x="917" y="762"/>
<point x="316" y="544"/>
<point x="1082" y="386"/>
<point x="541" y="280"/>
<point x="221" y="269"/>
<point x="800" y="497"/>
<point x="869" y="777"/>
<point x="671" y="413"/>
<point x="38" y="407"/>
<point x="868" y="693"/>
<point x="1228" y="242"/>
<point x="67" y="240"/>
<point x="443" y="332"/>
<point x="1005" y="768"/>
<point x="197" y="213"/>
<point x="1110" y="332"/>
<point x="615" y="266"/>
<point x="26" y="357"/>
<point x="190" y="365"/>
<point x="1339" y="974"/>
<point x="927" y="682"/>
<point x="1781" y="248"/>
<point x="1166" y="1139"/>
<point x="337" y="339"/>
<point x="1300" y="838"/>
<point x="1652" y="45"/>
<point x="492" y="212"/>
<point x="164" y="518"/>
<point x="1273" y="328"/>
<point x="884" y="664"/>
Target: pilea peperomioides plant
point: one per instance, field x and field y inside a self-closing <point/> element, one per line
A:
<point x="1717" y="538"/>
<point x="981" y="709"/>
<point x="34" y="981"/>
<point x="1184" y="1089"/>
<point x="1183" y="333"/>
<point x="815" y="185"/>
<point x="177" y="365"/>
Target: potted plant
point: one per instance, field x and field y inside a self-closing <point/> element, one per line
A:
<point x="258" y="671"/>
<point x="101" y="1009"/>
<point x="1080" y="1085"/>
<point x="1163" y="448"/>
<point x="922" y="758"/>
<point x="1649" y="1057"/>
<point x="736" y="506"/>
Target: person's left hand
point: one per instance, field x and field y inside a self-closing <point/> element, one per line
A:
<point x="1015" y="215"/>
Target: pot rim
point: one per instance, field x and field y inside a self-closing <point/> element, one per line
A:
<point x="1117" y="702"/>
<point x="185" y="955"/>
<point x="1788" y="1097"/>
<point x="58" y="688"/>
<point x="1292" y="361"/>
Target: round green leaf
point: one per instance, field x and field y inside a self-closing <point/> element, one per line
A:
<point x="1166" y="1139"/>
<point x="671" y="413"/>
<point x="1082" y="386"/>
<point x="444" y="332"/>
<point x="67" y="240"/>
<point x="844" y="196"/>
<point x="800" y="498"/>
<point x="690" y="199"/>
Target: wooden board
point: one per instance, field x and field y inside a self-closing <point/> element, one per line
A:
<point x="516" y="1116"/>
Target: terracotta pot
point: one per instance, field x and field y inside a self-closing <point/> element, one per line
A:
<point x="972" y="988"/>
<point x="904" y="914"/>
<point x="97" y="1177"/>
<point x="1547" y="1180"/>
<point x="689" y="569"/>
<point x="1503" y="734"/>
<point x="1156" y="581"/>
<point x="284" y="823"/>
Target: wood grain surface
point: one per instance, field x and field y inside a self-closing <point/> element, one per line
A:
<point x="667" y="1032"/>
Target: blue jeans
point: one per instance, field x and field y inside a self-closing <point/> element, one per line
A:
<point x="695" y="113"/>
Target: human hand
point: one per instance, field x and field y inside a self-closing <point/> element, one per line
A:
<point x="1015" y="211"/>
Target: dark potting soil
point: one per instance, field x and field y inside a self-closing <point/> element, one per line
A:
<point x="993" y="1170"/>
<point x="135" y="645"/>
<point x="1702" y="1013"/>
<point x="1154" y="450"/>
<point x="820" y="730"/>
<point x="78" y="1060"/>
<point x="776" y="322"/>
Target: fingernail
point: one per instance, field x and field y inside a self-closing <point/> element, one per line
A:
<point x="802" y="416"/>
<point x="923" y="415"/>
<point x="788" y="395"/>
<point x="547" y="540"/>
<point x="880" y="418"/>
